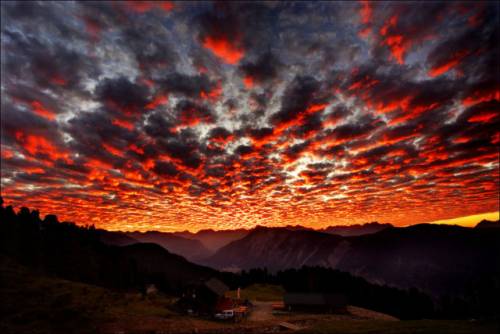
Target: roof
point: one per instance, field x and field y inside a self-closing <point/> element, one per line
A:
<point x="314" y="299"/>
<point x="216" y="286"/>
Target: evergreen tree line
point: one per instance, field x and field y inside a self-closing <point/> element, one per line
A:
<point x="478" y="299"/>
<point x="76" y="253"/>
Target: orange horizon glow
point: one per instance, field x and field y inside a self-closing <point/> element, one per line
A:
<point x="465" y="221"/>
<point x="469" y="221"/>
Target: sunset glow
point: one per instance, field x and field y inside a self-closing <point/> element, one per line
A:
<point x="181" y="116"/>
<point x="470" y="221"/>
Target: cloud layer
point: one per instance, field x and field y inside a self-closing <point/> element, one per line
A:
<point x="172" y="116"/>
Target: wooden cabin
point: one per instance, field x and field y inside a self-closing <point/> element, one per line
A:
<point x="204" y="297"/>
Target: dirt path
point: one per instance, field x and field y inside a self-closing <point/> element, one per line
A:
<point x="262" y="311"/>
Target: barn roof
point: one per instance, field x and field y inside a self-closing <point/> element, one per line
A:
<point x="216" y="286"/>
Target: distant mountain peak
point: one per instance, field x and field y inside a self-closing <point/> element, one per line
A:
<point x="488" y="224"/>
<point x="356" y="229"/>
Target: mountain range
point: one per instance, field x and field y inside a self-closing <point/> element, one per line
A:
<point x="191" y="249"/>
<point x="199" y="246"/>
<point x="434" y="258"/>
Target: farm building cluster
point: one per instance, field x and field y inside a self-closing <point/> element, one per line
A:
<point x="210" y="299"/>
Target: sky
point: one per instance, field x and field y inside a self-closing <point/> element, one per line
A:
<point x="185" y="116"/>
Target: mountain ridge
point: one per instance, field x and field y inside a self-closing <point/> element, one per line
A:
<point x="430" y="257"/>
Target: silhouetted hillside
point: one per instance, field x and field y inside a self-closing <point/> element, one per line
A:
<point x="275" y="249"/>
<point x="77" y="253"/>
<point x="115" y="238"/>
<point x="214" y="240"/>
<point x="488" y="224"/>
<point x="191" y="249"/>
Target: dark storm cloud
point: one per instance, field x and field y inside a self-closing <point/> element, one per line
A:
<point x="480" y="113"/>
<point x="454" y="51"/>
<point x="122" y="95"/>
<point x="310" y="126"/>
<point x="50" y="65"/>
<point x="220" y="134"/>
<point x="95" y="136"/>
<point x="159" y="126"/>
<point x="15" y="121"/>
<point x="187" y="85"/>
<point x="400" y="29"/>
<point x="300" y="94"/>
<point x="249" y="105"/>
<point x="337" y="114"/>
<point x="363" y="127"/>
<point x="34" y="16"/>
<point x="293" y="152"/>
<point x="244" y="150"/>
<point x="244" y="26"/>
<point x="265" y="69"/>
<point x="164" y="168"/>
<point x="150" y="45"/>
<point x="192" y="113"/>
<point x="187" y="152"/>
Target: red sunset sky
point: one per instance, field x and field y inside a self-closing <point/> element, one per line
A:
<point x="173" y="116"/>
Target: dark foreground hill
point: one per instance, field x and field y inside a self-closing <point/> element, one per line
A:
<point x="434" y="258"/>
<point x="33" y="303"/>
<point x="488" y="224"/>
<point x="77" y="253"/>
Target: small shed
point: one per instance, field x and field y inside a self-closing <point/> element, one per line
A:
<point x="315" y="302"/>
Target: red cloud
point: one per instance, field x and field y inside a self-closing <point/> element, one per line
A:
<point x="482" y="95"/>
<point x="38" y="145"/>
<point x="398" y="40"/>
<point x="40" y="110"/>
<point x="123" y="124"/>
<point x="300" y="117"/>
<point x="365" y="14"/>
<point x="192" y="117"/>
<point x="212" y="95"/>
<point x="248" y="81"/>
<point x="145" y="6"/>
<point x="448" y="64"/>
<point x="58" y="80"/>
<point x="158" y="100"/>
<point x="222" y="47"/>
<point x="111" y="149"/>
<point x="93" y="28"/>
